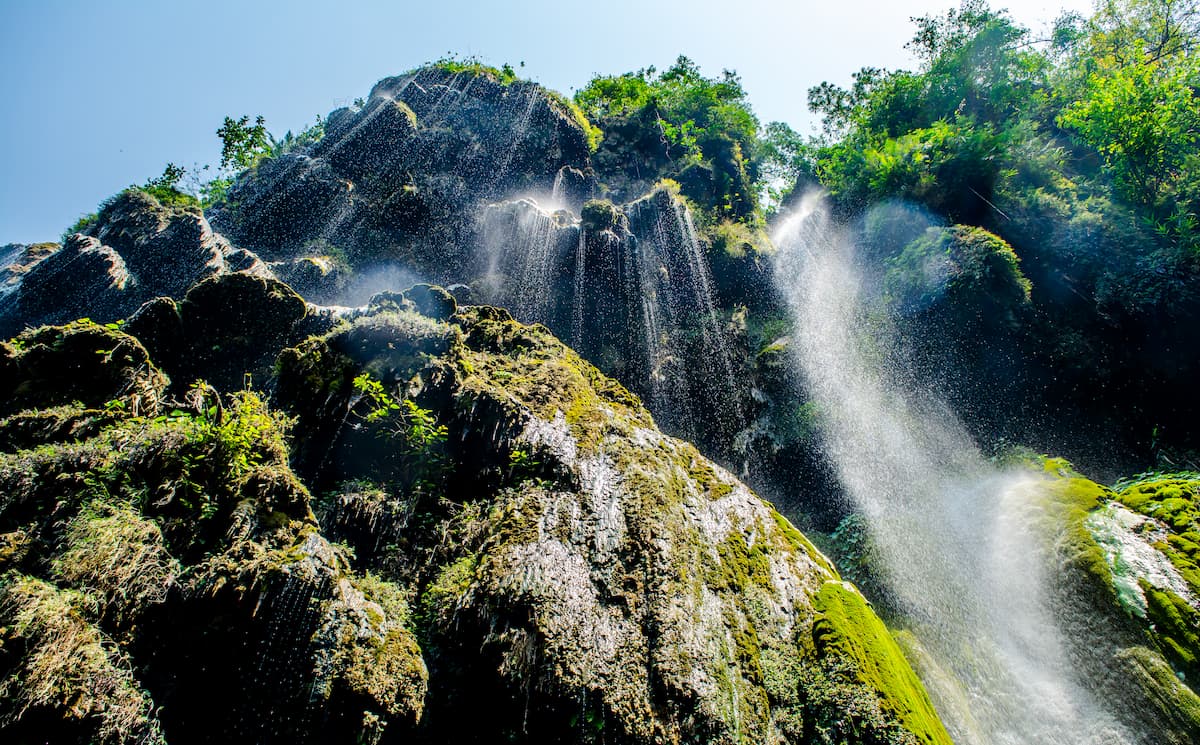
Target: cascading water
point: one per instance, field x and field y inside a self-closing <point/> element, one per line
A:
<point x="524" y="247"/>
<point x="629" y="287"/>
<point x="956" y="540"/>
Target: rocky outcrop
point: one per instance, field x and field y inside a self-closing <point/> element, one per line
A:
<point x="136" y="250"/>
<point x="620" y="586"/>
<point x="227" y="330"/>
<point x="399" y="178"/>
<point x="500" y="529"/>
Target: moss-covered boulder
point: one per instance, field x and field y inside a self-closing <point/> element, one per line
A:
<point x="82" y="364"/>
<point x="156" y="570"/>
<point x="965" y="270"/>
<point x="226" y="328"/>
<point x="580" y="576"/>
<point x="1124" y="591"/>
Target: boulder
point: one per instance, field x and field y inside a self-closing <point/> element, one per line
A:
<point x="83" y="279"/>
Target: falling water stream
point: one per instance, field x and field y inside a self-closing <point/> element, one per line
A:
<point x="956" y="539"/>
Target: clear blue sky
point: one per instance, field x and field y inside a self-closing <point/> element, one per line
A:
<point x="100" y="94"/>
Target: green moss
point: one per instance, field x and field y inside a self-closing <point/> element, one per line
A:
<point x="1176" y="627"/>
<point x="738" y="566"/>
<point x="847" y="628"/>
<point x="594" y="133"/>
<point x="69" y="667"/>
<point x="444" y="595"/>
<point x="526" y="367"/>
<point x="113" y="553"/>
<point x="1172" y="500"/>
<point x="1174" y="701"/>
<point x="598" y="214"/>
<point x="1069" y="499"/>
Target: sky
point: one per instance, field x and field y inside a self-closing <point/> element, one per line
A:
<point x="101" y="94"/>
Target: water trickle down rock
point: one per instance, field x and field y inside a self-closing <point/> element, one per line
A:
<point x="400" y="178"/>
<point x="630" y="287"/>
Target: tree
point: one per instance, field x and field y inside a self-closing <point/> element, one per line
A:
<point x="243" y="145"/>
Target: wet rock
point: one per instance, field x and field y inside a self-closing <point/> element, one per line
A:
<point x="283" y="203"/>
<point x="317" y="278"/>
<point x="431" y="301"/>
<point x="588" y="528"/>
<point x="227" y="328"/>
<point x="83" y="279"/>
<point x="15" y="262"/>
<point x="398" y="178"/>
<point x="573" y="186"/>
<point x="166" y="249"/>
<point x="81" y="363"/>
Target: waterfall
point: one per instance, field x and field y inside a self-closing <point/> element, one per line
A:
<point x="525" y="252"/>
<point x="956" y="540"/>
<point x="634" y="296"/>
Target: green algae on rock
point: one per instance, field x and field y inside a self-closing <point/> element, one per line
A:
<point x="601" y="567"/>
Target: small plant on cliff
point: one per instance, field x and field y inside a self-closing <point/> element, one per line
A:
<point x="165" y="188"/>
<point x="415" y="430"/>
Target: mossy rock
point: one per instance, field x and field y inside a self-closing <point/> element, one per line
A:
<point x="1104" y="583"/>
<point x="81" y="362"/>
<point x="597" y="215"/>
<point x="967" y="271"/>
<point x="571" y="526"/>
<point x="848" y="628"/>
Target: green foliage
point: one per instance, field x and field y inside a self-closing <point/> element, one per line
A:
<point x="416" y="434"/>
<point x="165" y="188"/>
<point x="379" y="402"/>
<point x="243" y="144"/>
<point x="80" y="226"/>
<point x="970" y="267"/>
<point x="787" y="158"/>
<point x="472" y="66"/>
<point x="307" y="137"/>
<point x="1144" y="118"/>
<point x="680" y="120"/>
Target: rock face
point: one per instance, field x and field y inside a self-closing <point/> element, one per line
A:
<point x="630" y="287"/>
<point x="137" y="249"/>
<point x="499" y="529"/>
<point x="225" y="328"/>
<point x="399" y="178"/>
<point x="1124" y="587"/>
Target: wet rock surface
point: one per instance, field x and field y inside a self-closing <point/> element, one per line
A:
<point x="476" y="518"/>
<point x="136" y="250"/>
<point x="398" y="177"/>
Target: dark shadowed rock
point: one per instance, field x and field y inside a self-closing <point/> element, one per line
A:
<point x="168" y="249"/>
<point x="227" y="327"/>
<point x="83" y="279"/>
<point x="81" y="363"/>
<point x="318" y="278"/>
<point x="432" y="301"/>
<point x="573" y="187"/>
